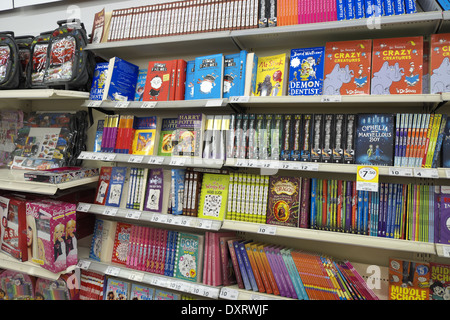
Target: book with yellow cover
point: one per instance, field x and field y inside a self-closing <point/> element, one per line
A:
<point x="145" y="135"/>
<point x="271" y="76"/>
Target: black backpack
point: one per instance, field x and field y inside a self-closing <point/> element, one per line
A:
<point x="24" y="45"/>
<point x="36" y="66"/>
<point x="69" y="65"/>
<point x="10" y="68"/>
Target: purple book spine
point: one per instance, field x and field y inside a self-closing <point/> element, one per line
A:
<point x="304" y="202"/>
<point x="276" y="272"/>
<point x="284" y="272"/>
<point x="437" y="208"/>
<point x="445" y="215"/>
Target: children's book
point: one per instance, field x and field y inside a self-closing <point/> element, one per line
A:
<point x="145" y="135"/>
<point x="188" y="140"/>
<point x="138" y="292"/>
<point x="408" y="280"/>
<point x="190" y="78"/>
<point x="234" y="74"/>
<point x="213" y="197"/>
<point x="347" y="67"/>
<point x="166" y="136"/>
<point x="439" y="281"/>
<point x="250" y="74"/>
<point x="121" y="78"/>
<point x="177" y="190"/>
<point x="446" y="145"/>
<point x="179" y="83"/>
<point x="374" y="140"/>
<point x="116" y="289"/>
<point x="99" y="136"/>
<point x="208" y="77"/>
<point x="439" y="63"/>
<point x="159" y="79"/>
<point x="103" y="240"/>
<point x="140" y="85"/>
<point x="121" y="241"/>
<point x="444" y="231"/>
<point x="98" y="81"/>
<point x="103" y="185"/>
<point x="306" y="71"/>
<point x="158" y="188"/>
<point x="116" y="183"/>
<point x="397" y="66"/>
<point x="271" y="76"/>
<point x="284" y="201"/>
<point x="189" y="257"/>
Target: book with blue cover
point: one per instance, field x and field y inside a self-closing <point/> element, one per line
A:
<point x="190" y="70"/>
<point x="140" y="85"/>
<point x="98" y="81"/>
<point x="121" y="80"/>
<point x="116" y="183"/>
<point x="208" y="77"/>
<point x="234" y="74"/>
<point x="306" y="71"/>
<point x="374" y="140"/>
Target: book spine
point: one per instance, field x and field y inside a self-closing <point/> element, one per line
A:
<point x="263" y="273"/>
<point x="340" y="10"/>
<point x="235" y="263"/>
<point x="268" y="270"/>
<point x="255" y="270"/>
<point x="242" y="268"/>
<point x="411" y="7"/>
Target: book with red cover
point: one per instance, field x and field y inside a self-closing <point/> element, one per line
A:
<point x="283" y="202"/>
<point x="103" y="185"/>
<point x="121" y="243"/>
<point x="158" y="85"/>
<point x="397" y="66"/>
<point x="180" y="80"/>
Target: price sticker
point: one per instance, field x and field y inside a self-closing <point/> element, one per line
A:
<point x="177" y="161"/>
<point x="269" y="164"/>
<point x="112" y="271"/>
<point x="136" y="276"/>
<point x="265" y="229"/>
<point x="135" y="159"/>
<point x="237" y="99"/>
<point x="241" y="163"/>
<point x="122" y="104"/>
<point x="83" y="264"/>
<point x="83" y="207"/>
<point x="205" y="224"/>
<point x="332" y="98"/>
<point x="148" y="105"/>
<point x="214" y="103"/>
<point x="94" y="103"/>
<point x="446" y="251"/>
<point x="133" y="214"/>
<point x="426" y="173"/>
<point x="367" y="178"/>
<point x="400" y="172"/>
<point x="305" y="166"/>
<point x="186" y="222"/>
<point x="110" y="211"/>
<point x="230" y="294"/>
<point x="156" y="160"/>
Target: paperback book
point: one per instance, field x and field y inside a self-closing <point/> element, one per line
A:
<point x="158" y="85"/>
<point x="234" y="74"/>
<point x="439" y="63"/>
<point x="121" y="78"/>
<point x="166" y="136"/>
<point x="284" y="201"/>
<point x="145" y="135"/>
<point x="189" y="257"/>
<point x="408" y="280"/>
<point x="209" y="76"/>
<point x="213" y="197"/>
<point x="188" y="139"/>
<point x="271" y="76"/>
<point x="306" y="71"/>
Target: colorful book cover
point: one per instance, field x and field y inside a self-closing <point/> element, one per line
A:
<point x="121" y="80"/>
<point x="444" y="220"/>
<point x="439" y="281"/>
<point x="439" y="63"/>
<point x="158" y="185"/>
<point x="145" y="135"/>
<point x="138" y="292"/>
<point x="98" y="81"/>
<point x="99" y="136"/>
<point x="103" y="185"/>
<point x="121" y="241"/>
<point x="179" y="82"/>
<point x="408" y="280"/>
<point x="306" y="71"/>
<point x="116" y="183"/>
<point x="397" y="66"/>
<point x="446" y="146"/>
<point x="190" y="78"/>
<point x="284" y="201"/>
<point x="158" y="83"/>
<point x="188" y="140"/>
<point x="374" y="140"/>
<point x="103" y="240"/>
<point x="347" y="67"/>
<point x="140" y="85"/>
<point x="271" y="76"/>
<point x="208" y="77"/>
<point x="214" y="196"/>
<point x="116" y="289"/>
<point x="189" y="257"/>
<point x="166" y="136"/>
<point x="234" y="74"/>
<point x="177" y="190"/>
<point x="250" y="74"/>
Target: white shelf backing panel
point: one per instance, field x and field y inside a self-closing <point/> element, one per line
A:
<point x="13" y="180"/>
<point x="7" y="262"/>
<point x="33" y="94"/>
<point x="157" y="105"/>
<point x="332" y="237"/>
<point x="137" y="216"/>
<point x="197" y="43"/>
<point x="146" y="278"/>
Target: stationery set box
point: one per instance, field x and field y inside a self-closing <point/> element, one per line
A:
<point x="347" y="67"/>
<point x="397" y="66"/>
<point x="60" y="175"/>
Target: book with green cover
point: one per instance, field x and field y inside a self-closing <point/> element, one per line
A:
<point x="189" y="257"/>
<point x="168" y="127"/>
<point x="213" y="196"/>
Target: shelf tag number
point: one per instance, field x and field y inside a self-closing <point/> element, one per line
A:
<point x="367" y="178"/>
<point x="263" y="229"/>
<point x="229" y="294"/>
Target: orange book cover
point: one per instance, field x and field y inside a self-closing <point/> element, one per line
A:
<point x="347" y="67"/>
<point x="440" y="63"/>
<point x="255" y="268"/>
<point x="268" y="270"/>
<point x="397" y="66"/>
<point x="261" y="268"/>
<point x="408" y="280"/>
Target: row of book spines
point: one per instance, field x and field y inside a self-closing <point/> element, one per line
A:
<point x="185" y="192"/>
<point x="281" y="271"/>
<point x="91" y="285"/>
<point x="182" y="17"/>
<point x="136" y="188"/>
<point x="291" y="12"/>
<point x="358" y="9"/>
<point x="247" y="197"/>
<point x="118" y="133"/>
<point x="419" y="139"/>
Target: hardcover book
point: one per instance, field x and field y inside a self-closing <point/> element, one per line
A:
<point x="145" y="135"/>
<point x="347" y="67"/>
<point x="208" y="77"/>
<point x="159" y="78"/>
<point x="213" y="197"/>
<point x="188" y="140"/>
<point x="116" y="183"/>
<point x="397" y="66"/>
<point x="374" y="140"/>
<point x="166" y="136"/>
<point x="439" y="63"/>
<point x="408" y="280"/>
<point x="189" y="257"/>
<point x="284" y="201"/>
<point x="121" y="78"/>
<point x="306" y="71"/>
<point x="140" y="85"/>
<point x="103" y="185"/>
<point x="234" y="74"/>
<point x="271" y="76"/>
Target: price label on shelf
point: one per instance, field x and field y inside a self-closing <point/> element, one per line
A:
<point x="177" y="161"/>
<point x="83" y="207"/>
<point x="205" y="224"/>
<point x="148" y="104"/>
<point x="229" y="294"/>
<point x="108" y="211"/>
<point x="241" y="163"/>
<point x="367" y="178"/>
<point x="332" y="98"/>
<point x="112" y="271"/>
<point x="214" y="103"/>
<point x="135" y="159"/>
<point x="156" y="160"/>
<point x="426" y="173"/>
<point x="266" y="229"/>
<point x="83" y="264"/>
<point x="269" y="164"/>
<point x="237" y="99"/>
<point x="400" y="172"/>
<point x="186" y="221"/>
<point x="122" y="104"/>
<point x="133" y="214"/>
<point x="136" y="276"/>
<point x="94" y="103"/>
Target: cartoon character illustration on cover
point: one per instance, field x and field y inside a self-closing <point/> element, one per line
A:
<point x="361" y="79"/>
<point x="207" y="83"/>
<point x="187" y="266"/>
<point x="334" y="80"/>
<point x="266" y="88"/>
<point x="155" y="87"/>
<point x="440" y="79"/>
<point x="383" y="79"/>
<point x="228" y="82"/>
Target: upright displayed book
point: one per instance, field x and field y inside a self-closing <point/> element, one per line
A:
<point x="284" y="201"/>
<point x="158" y="85"/>
<point x="157" y="193"/>
<point x="213" y="197"/>
<point x="408" y="280"/>
<point x="306" y="71"/>
<point x="121" y="79"/>
<point x="116" y="289"/>
<point x="444" y="216"/>
<point x="103" y="240"/>
<point x="347" y="67"/>
<point x="208" y="77"/>
<point x="375" y="139"/>
<point x="116" y="184"/>
<point x="271" y="76"/>
<point x="188" y="139"/>
<point x="121" y="241"/>
<point x="145" y="135"/>
<point x="189" y="257"/>
<point x="140" y="85"/>
<point x="397" y="66"/>
<point x="250" y="74"/>
<point x="166" y="136"/>
<point x="439" y="63"/>
<point x="98" y="81"/>
<point x="234" y="74"/>
<point x="190" y="80"/>
<point x="103" y="185"/>
<point x="439" y="281"/>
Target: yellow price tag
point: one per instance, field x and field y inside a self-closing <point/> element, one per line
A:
<point x="367" y="178"/>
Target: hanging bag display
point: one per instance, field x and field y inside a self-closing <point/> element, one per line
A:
<point x="24" y="46"/>
<point x="36" y="67"/>
<point x="10" y="68"/>
<point x="69" y="65"/>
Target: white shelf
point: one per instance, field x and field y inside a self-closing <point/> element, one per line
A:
<point x="334" y="237"/>
<point x="13" y="180"/>
<point x="235" y="293"/>
<point x="148" y="216"/>
<point x="7" y="262"/>
<point x="33" y="94"/>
